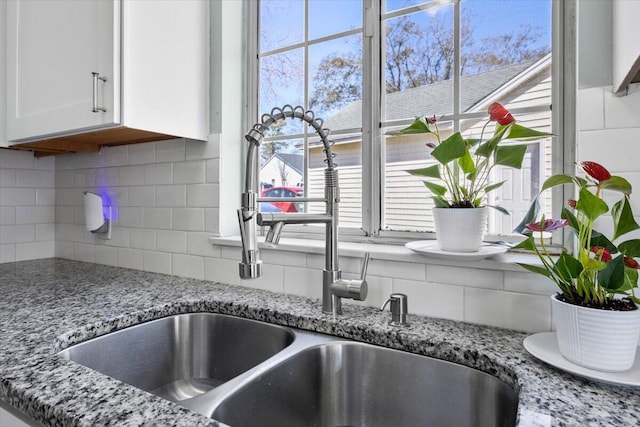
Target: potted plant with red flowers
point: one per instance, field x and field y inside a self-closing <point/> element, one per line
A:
<point x="460" y="179"/>
<point x="595" y="311"/>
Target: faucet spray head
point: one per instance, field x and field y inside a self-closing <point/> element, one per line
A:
<point x="273" y="235"/>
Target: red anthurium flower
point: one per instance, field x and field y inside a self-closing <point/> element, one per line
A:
<point x="547" y="225"/>
<point x="432" y="120"/>
<point x="595" y="171"/>
<point x="631" y="263"/>
<point x="430" y="145"/>
<point x="602" y="253"/>
<point x="572" y="203"/>
<point x="497" y="113"/>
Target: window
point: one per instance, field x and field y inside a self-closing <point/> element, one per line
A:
<point x="368" y="67"/>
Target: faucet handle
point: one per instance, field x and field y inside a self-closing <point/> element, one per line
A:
<point x="398" y="309"/>
<point x="365" y="265"/>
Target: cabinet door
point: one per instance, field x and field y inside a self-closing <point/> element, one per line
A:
<point x="53" y="47"/>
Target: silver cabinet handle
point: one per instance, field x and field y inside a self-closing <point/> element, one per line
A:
<point x="97" y="77"/>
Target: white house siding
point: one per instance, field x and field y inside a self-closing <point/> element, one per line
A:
<point x="270" y="173"/>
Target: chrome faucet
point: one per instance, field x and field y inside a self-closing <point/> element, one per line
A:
<point x="334" y="287"/>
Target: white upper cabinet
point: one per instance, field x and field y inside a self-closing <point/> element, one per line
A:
<point x="53" y="48"/>
<point x="626" y="44"/>
<point x="113" y="70"/>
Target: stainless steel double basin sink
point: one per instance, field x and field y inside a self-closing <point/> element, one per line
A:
<point x="248" y="373"/>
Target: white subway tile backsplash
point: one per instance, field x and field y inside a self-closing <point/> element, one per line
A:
<point x="130" y="258"/>
<point x="131" y="175"/>
<point x="142" y="196"/>
<point x="84" y="252"/>
<point x="379" y="290"/>
<point x="116" y="156"/>
<point x="305" y="282"/>
<point x="13" y="159"/>
<point x="211" y="220"/>
<point x="188" y="266"/>
<point x="7" y="253"/>
<point x="107" y="255"/>
<point x="106" y="177"/>
<point x="203" y="195"/>
<point x="35" y="178"/>
<point x="157" y="262"/>
<point x="396" y="269"/>
<point x="45" y="232"/>
<point x="490" y="279"/>
<point x="432" y="299"/>
<point x="142" y="238"/>
<point x="271" y="280"/>
<point x="156" y="218"/>
<point x="171" y="241"/>
<point x="45" y="163"/>
<point x="35" y="214"/>
<point x="614" y="148"/>
<point x="591" y="113"/>
<point x="142" y="153"/>
<point x="528" y="283"/>
<point x="529" y="313"/>
<point x="198" y="244"/>
<point x="158" y="173"/>
<point x="85" y="179"/>
<point x="188" y="219"/>
<point x="64" y="249"/>
<point x="296" y="259"/>
<point x="170" y="151"/>
<point x="128" y="217"/>
<point x="17" y="196"/>
<point x="7" y="215"/>
<point x="197" y="150"/>
<point x="8" y="178"/>
<point x="171" y="196"/>
<point x="189" y="172"/>
<point x="17" y="233"/>
<point x="34" y="250"/>
<point x="621" y="111"/>
<point x="221" y="270"/>
<point x="46" y="196"/>
<point x="212" y="171"/>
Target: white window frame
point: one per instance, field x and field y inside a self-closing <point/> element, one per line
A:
<point x="563" y="118"/>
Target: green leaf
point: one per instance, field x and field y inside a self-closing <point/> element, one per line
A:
<point x="617" y="183"/>
<point x="466" y="163"/>
<point x="630" y="278"/>
<point x="623" y="220"/>
<point x="569" y="216"/>
<point x="528" y="244"/>
<point x="555" y="180"/>
<point x="567" y="267"/>
<point x="599" y="239"/>
<point x="499" y="209"/>
<point x="440" y="202"/>
<point x="486" y="149"/>
<point x="437" y="190"/>
<point x="529" y="217"/>
<point x="630" y="248"/>
<point x="536" y="269"/>
<point x="613" y="275"/>
<point x="420" y="125"/>
<point x="510" y="155"/>
<point x="493" y="186"/>
<point x="521" y="132"/>
<point x="450" y="149"/>
<point x="591" y="205"/>
<point x="429" y="172"/>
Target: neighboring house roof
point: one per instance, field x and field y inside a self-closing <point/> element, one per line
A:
<point x="437" y="98"/>
<point x="294" y="161"/>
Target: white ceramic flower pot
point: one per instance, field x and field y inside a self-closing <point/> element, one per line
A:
<point x="460" y="229"/>
<point x="604" y="340"/>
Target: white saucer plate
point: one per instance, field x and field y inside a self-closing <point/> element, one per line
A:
<point x="430" y="249"/>
<point x="544" y="346"/>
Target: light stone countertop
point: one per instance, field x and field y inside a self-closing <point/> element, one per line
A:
<point x="47" y="305"/>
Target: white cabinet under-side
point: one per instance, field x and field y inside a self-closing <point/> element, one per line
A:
<point x="85" y="73"/>
<point x="626" y="44"/>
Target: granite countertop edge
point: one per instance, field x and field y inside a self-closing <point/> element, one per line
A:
<point x="52" y="304"/>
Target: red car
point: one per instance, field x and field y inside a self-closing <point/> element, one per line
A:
<point x="285" y="192"/>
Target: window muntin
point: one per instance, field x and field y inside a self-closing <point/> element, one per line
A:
<point x="405" y="203"/>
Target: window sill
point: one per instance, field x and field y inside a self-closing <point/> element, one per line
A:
<point x="387" y="252"/>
